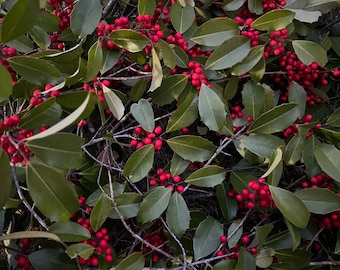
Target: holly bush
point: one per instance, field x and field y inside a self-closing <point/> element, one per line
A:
<point x="174" y="134"/>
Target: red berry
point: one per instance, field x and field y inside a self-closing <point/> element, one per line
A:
<point x="93" y="261"/>
<point x="245" y="239"/>
<point x="108" y="258"/>
<point x="223" y="239"/>
<point x="180" y="189"/>
<point x="158" y="130"/>
<point x="176" y="178"/>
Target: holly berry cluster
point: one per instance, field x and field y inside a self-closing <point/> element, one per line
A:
<point x="40" y="96"/>
<point x="142" y="137"/>
<point x="156" y="239"/>
<point x="235" y="250"/>
<point x="164" y="178"/>
<point x="293" y="129"/>
<point x="22" y="257"/>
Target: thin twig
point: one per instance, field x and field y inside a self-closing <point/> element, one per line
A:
<point x="108" y="7"/>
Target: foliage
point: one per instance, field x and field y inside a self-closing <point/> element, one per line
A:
<point x="182" y="134"/>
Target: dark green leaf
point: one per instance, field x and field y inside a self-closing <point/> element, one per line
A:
<point x="262" y="145"/>
<point x="232" y="5"/>
<point x="5" y="83"/>
<point x="6" y="178"/>
<point x="309" y="52"/>
<point x="229" y="53"/>
<point x="178" y="214"/>
<point x="207" y="237"/>
<point x="134" y="261"/>
<point x="225" y="265"/>
<point x="115" y="104"/>
<point x="85" y="17"/>
<point x="128" y="204"/>
<point x="284" y="199"/>
<point x="30" y="234"/>
<point x="275" y="166"/>
<point x="249" y="62"/>
<point x="100" y="212"/>
<point x="308" y="156"/>
<point x="231" y="88"/>
<point x="46" y="184"/>
<point x="154" y="204"/>
<point x="234" y="233"/>
<point x="240" y="180"/>
<point x="167" y="54"/>
<point x="321" y="5"/>
<point x="157" y="72"/>
<point x="143" y="113"/>
<point x="40" y="37"/>
<point x="294" y="148"/>
<point x="328" y="157"/>
<point x="61" y="150"/>
<point x="255" y="6"/>
<point x="178" y="165"/>
<point x="298" y="257"/>
<point x="262" y="233"/>
<point x="228" y="205"/>
<point x="129" y="40"/>
<point x="193" y="148"/>
<point x="146" y="7"/>
<point x="52" y="259"/>
<point x="138" y="90"/>
<point x="182" y="58"/>
<point x="334" y="119"/>
<point x="253" y="98"/>
<point x="245" y="261"/>
<point x="95" y="62"/>
<point x="110" y="58"/>
<point x="265" y="257"/>
<point x="139" y="163"/>
<point x="257" y="72"/>
<point x="69" y="231"/>
<point x="294" y="234"/>
<point x="82" y="250"/>
<point x="182" y="17"/>
<point x="298" y="95"/>
<point x="273" y="20"/>
<point x="206" y="177"/>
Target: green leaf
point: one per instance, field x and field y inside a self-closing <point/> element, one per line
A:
<point x="178" y="215"/>
<point x="211" y="109"/>
<point x="129" y="40"/>
<point x="249" y="62"/>
<point x="207" y="237"/>
<point x="228" y="205"/>
<point x="275" y="169"/>
<point x="5" y="83"/>
<point x="36" y="71"/>
<point x="68" y="120"/>
<point x="52" y="259"/>
<point x="298" y="257"/>
<point x="146" y="7"/>
<point x="157" y="72"/>
<point x="225" y="265"/>
<point x="265" y="258"/>
<point x="85" y="17"/>
<point x="167" y="53"/>
<point x="284" y="199"/>
<point x="231" y="87"/>
<point x="334" y="119"/>
<point x="100" y="212"/>
<point x="94" y="62"/>
<point x="294" y="148"/>
<point x="319" y="200"/>
<point x="46" y="184"/>
<point x="275" y="120"/>
<point x="182" y="58"/>
<point x="240" y="180"/>
<point x="257" y="72"/>
<point x="253" y="98"/>
<point x="294" y="234"/>
<point x="70" y="231"/>
<point x="30" y="234"/>
<point x="6" y="178"/>
<point x="40" y="37"/>
<point x="138" y="90"/>
<point x="298" y="95"/>
<point x="232" y="5"/>
<point x="312" y="167"/>
<point x="245" y="261"/>
<point x="193" y="148"/>
<point x="309" y="52"/>
<point x="143" y="113"/>
<point x="134" y="261"/>
<point x="128" y="205"/>
<point x="328" y="157"/>
<point x="154" y="204"/>
<point x="262" y="145"/>
<point x="255" y="6"/>
<point x="215" y="31"/>
<point x="321" y="5"/>
<point x="115" y="104"/>
<point x="229" y="53"/>
<point x="182" y="17"/>
<point x="206" y="177"/>
<point x="178" y="165"/>
<point x="262" y="233"/>
<point x="110" y="58"/>
<point x="19" y="19"/>
<point x="170" y="89"/>
<point x="82" y="250"/>
<point x="233" y="234"/>
<point x="61" y="150"/>
<point x="139" y="163"/>
<point x="273" y="20"/>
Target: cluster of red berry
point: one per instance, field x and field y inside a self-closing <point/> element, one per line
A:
<point x="142" y="137"/>
<point x="195" y="75"/>
<point x="275" y="45"/>
<point x="22" y="258"/>
<point x="177" y="39"/>
<point x="272" y="4"/>
<point x="321" y="180"/>
<point x="293" y="129"/>
<point x="158" y="240"/>
<point x="225" y="249"/>
<point x="166" y="179"/>
<point x="8" y="52"/>
<point x="40" y="96"/>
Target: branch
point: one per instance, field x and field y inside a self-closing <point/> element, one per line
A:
<point x="108" y="7"/>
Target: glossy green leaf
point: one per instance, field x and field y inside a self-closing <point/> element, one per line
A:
<point x="115" y="104"/>
<point x="250" y="61"/>
<point x="275" y="168"/>
<point x="138" y="90"/>
<point x="143" y="113"/>
<point x="40" y="37"/>
<point x="240" y="180"/>
<point x="146" y="7"/>
<point x="225" y="265"/>
<point x="129" y="40"/>
<point x="139" y="163"/>
<point x="128" y="204"/>
<point x="329" y="135"/>
<point x="294" y="148"/>
<point x="229" y="53"/>
<point x="284" y="199"/>
<point x="265" y="257"/>
<point x="294" y="234"/>
<point x="312" y="167"/>
<point x="273" y="20"/>
<point x="5" y="83"/>
<point x="110" y="58"/>
<point x="298" y="95"/>
<point x="167" y="54"/>
<point x="181" y="57"/>
<point x="309" y="52"/>
<point x="234" y="233"/>
<point x="206" y="177"/>
<point x="34" y="70"/>
<point x="228" y="205"/>
<point x="275" y="120"/>
<point x="48" y="21"/>
<point x="30" y="234"/>
<point x="184" y="3"/>
<point x="19" y="19"/>
<point x="178" y="214"/>
<point x="287" y="255"/>
<point x="157" y="72"/>
<point x="262" y="145"/>
<point x="46" y="184"/>
<point x="85" y="17"/>
<point x="185" y="115"/>
<point x="193" y="148"/>
<point x="215" y="31"/>
<point x="134" y="261"/>
<point x="255" y="6"/>
<point x="245" y="261"/>
<point x="334" y="119"/>
<point x="257" y="72"/>
<point x="154" y="204"/>
<point x="178" y="165"/>
<point x="95" y="62"/>
<point x="170" y="89"/>
<point x="321" y="5"/>
<point x="207" y="237"/>
<point x="253" y="98"/>
<point x="6" y="178"/>
<point x="82" y="250"/>
<point x="319" y="200"/>
<point x="328" y="157"/>
<point x="69" y="231"/>
<point x="262" y="233"/>
<point x="231" y="88"/>
<point x="182" y="17"/>
<point x="61" y="150"/>
<point x="68" y="120"/>
<point x="100" y="212"/>
<point x="232" y="5"/>
<point x="52" y="259"/>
